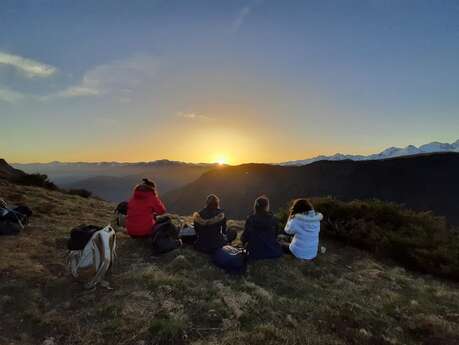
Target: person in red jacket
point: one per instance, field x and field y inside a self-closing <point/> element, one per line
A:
<point x="143" y="207"/>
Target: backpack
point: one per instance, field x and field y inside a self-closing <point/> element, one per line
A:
<point x="81" y="235"/>
<point x="165" y="236"/>
<point x="187" y="234"/>
<point x="13" y="220"/>
<point x="91" y="264"/>
<point x="231" y="259"/>
<point x="121" y="211"/>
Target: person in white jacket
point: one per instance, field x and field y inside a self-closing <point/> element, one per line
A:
<point x="304" y="225"/>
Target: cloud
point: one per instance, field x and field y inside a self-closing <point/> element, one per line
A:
<point x="194" y="116"/>
<point x="244" y="13"/>
<point x="28" y="67"/>
<point x="120" y="78"/>
<point x="10" y="96"/>
<point x="78" y="91"/>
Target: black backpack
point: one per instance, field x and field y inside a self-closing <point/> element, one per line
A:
<point x="165" y="236"/>
<point x="12" y="221"/>
<point x="122" y="208"/>
<point x="231" y="259"/>
<point x="81" y="235"/>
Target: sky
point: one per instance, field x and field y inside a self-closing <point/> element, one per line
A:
<point x="236" y="81"/>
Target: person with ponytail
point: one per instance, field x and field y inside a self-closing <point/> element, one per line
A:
<point x="260" y="234"/>
<point x="304" y="225"/>
<point x="143" y="208"/>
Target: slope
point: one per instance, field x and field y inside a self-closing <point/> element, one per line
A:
<point x="345" y="297"/>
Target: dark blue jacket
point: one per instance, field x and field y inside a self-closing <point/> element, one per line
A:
<point x="210" y="227"/>
<point x="260" y="237"/>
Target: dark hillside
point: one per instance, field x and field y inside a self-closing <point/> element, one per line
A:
<point x="423" y="182"/>
<point x="8" y="172"/>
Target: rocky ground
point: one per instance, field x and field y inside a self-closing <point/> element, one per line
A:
<point x="345" y="297"/>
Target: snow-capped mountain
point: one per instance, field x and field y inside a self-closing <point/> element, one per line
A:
<point x="390" y="152"/>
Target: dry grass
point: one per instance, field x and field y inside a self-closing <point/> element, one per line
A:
<point x="345" y="297"/>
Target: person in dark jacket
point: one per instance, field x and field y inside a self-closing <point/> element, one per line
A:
<point x="210" y="227"/>
<point x="260" y="234"/>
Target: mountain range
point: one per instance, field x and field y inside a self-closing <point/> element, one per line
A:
<point x="390" y="152"/>
<point x="421" y="182"/>
<point x="114" y="181"/>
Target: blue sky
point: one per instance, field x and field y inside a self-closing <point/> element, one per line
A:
<point x="246" y="80"/>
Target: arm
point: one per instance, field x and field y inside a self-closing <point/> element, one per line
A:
<point x="276" y="226"/>
<point x="244" y="234"/>
<point x="289" y="227"/>
<point x="224" y="225"/>
<point x="157" y="205"/>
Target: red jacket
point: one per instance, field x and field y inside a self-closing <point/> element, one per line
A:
<point x="143" y="206"/>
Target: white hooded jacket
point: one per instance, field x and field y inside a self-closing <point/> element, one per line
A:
<point x="305" y="227"/>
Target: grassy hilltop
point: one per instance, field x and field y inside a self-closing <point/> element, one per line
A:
<point x="346" y="297"/>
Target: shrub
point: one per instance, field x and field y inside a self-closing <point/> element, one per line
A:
<point x="81" y="192"/>
<point x="417" y="240"/>
<point x="167" y="331"/>
<point x="38" y="180"/>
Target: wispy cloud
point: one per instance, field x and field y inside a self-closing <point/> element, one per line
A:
<point x="119" y="78"/>
<point x="244" y="13"/>
<point x="194" y="116"/>
<point x="30" y="68"/>
<point x="10" y="96"/>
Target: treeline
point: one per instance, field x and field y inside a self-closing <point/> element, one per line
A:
<point x="42" y="180"/>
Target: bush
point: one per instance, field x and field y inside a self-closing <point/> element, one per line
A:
<point x="167" y="331"/>
<point x="417" y="240"/>
<point x="81" y="192"/>
<point x="38" y="180"/>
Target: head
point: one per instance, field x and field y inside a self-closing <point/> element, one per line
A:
<point x="300" y="206"/>
<point x="212" y="201"/>
<point x="146" y="185"/>
<point x="261" y="204"/>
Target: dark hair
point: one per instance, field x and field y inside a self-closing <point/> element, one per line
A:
<point x="212" y="201"/>
<point x="300" y="206"/>
<point x="149" y="183"/>
<point x="261" y="204"/>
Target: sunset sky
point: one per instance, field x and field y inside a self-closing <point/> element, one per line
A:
<point x="239" y="80"/>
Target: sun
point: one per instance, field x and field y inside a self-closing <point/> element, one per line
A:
<point x="221" y="160"/>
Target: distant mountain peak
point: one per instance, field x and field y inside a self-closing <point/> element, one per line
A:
<point x="390" y="152"/>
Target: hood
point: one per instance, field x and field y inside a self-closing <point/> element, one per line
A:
<point x="311" y="216"/>
<point x="142" y="191"/>
<point x="198" y="219"/>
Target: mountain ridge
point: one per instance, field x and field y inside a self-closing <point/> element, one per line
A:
<point x="390" y="152"/>
<point x="423" y="182"/>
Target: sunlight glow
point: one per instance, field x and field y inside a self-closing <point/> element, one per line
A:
<point x="222" y="160"/>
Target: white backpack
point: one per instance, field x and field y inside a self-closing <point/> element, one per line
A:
<point x="96" y="259"/>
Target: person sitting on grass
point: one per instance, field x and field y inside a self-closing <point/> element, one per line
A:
<point x="260" y="234"/>
<point x="210" y="227"/>
<point x="304" y="225"/>
<point x="143" y="207"/>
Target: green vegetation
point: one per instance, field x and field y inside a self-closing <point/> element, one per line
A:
<point x="417" y="240"/>
<point x="37" y="180"/>
<point x="81" y="192"/>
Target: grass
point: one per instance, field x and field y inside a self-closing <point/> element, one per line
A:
<point x="347" y="296"/>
